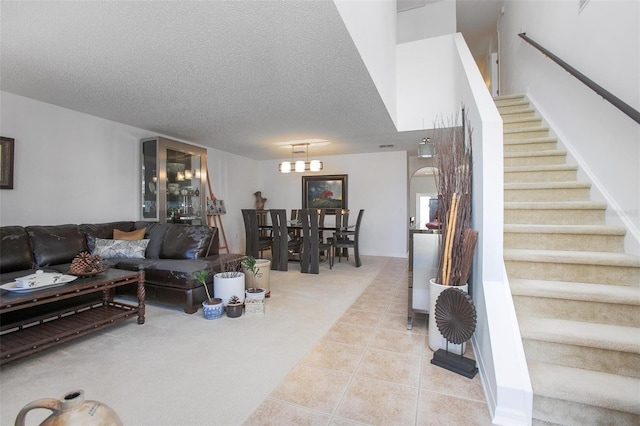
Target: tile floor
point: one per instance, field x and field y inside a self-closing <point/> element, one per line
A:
<point x="369" y="369"/>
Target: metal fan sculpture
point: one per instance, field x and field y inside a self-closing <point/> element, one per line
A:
<point x="455" y="316"/>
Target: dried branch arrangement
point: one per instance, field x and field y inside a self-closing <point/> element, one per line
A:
<point x="453" y="160"/>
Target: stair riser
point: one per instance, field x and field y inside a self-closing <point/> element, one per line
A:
<point x="545" y="195"/>
<point x="517" y="114"/>
<point x="538" y="160"/>
<point x="540" y="176"/>
<point x="596" y="359"/>
<point x="578" y="242"/>
<point x="554" y="217"/>
<point x="578" y="310"/>
<point x="572" y="413"/>
<point x="533" y="133"/>
<point x="602" y="274"/>
<point x="522" y="123"/>
<point x="528" y="147"/>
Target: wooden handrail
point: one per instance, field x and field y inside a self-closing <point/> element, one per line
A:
<point x="608" y="96"/>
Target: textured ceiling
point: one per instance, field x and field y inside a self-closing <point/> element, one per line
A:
<point x="239" y="76"/>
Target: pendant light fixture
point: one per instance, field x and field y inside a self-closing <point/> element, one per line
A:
<point x="300" y="166"/>
<point x="426" y="149"/>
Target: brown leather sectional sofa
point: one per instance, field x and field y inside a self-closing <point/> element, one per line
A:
<point x="173" y="254"/>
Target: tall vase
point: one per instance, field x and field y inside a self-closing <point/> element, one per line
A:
<point x="227" y="284"/>
<point x="436" y="340"/>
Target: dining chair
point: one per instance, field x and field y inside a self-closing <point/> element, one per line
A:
<point x="282" y="245"/>
<point x="255" y="243"/>
<point x="311" y="244"/>
<point x="341" y="223"/>
<point x="345" y="239"/>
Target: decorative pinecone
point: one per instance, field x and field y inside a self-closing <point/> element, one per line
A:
<point x="86" y="263"/>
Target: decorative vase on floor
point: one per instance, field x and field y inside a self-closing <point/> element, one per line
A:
<point x="254" y="301"/>
<point x="71" y="409"/>
<point x="213" y="311"/>
<point x="260" y="278"/>
<point x="228" y="284"/>
<point x="436" y="340"/>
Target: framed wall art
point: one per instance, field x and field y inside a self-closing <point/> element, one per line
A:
<point x="7" y="146"/>
<point x="324" y="192"/>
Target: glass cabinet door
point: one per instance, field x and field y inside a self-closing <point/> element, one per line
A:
<point x="173" y="176"/>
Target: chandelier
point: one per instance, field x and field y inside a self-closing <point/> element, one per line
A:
<point x="300" y="165"/>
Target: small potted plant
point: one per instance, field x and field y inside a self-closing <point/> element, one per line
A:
<point x="257" y="273"/>
<point x="211" y="307"/>
<point x="234" y="307"/>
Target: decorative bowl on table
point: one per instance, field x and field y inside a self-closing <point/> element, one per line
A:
<point x="87" y="265"/>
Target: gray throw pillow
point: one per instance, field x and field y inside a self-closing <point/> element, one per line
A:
<point x="120" y="249"/>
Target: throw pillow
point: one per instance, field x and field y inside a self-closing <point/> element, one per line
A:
<point x="138" y="234"/>
<point x="120" y="249"/>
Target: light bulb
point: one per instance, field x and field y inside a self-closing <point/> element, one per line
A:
<point x="285" y="167"/>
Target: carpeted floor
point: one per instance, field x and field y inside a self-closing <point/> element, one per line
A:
<point x="180" y="369"/>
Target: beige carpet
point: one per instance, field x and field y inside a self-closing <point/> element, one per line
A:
<point x="180" y="369"/>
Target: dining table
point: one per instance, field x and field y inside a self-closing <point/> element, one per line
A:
<point x="294" y="228"/>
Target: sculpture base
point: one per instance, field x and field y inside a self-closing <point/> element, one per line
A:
<point x="456" y="363"/>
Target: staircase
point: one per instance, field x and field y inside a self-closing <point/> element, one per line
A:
<point x="576" y="293"/>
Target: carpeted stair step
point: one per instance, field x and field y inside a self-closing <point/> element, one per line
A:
<point x="547" y="191"/>
<point x="547" y="173"/>
<point x="578" y="266"/>
<point x="574" y="396"/>
<point x="521" y="112"/>
<point x="510" y="101"/>
<point x="526" y="132"/>
<point x="555" y="213"/>
<point x="512" y="123"/>
<point x="606" y="348"/>
<point x="565" y="237"/>
<point x="535" y="158"/>
<point x="578" y="301"/>
<point x="532" y="144"/>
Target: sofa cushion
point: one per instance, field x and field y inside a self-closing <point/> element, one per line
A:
<point x="138" y="234"/>
<point x="52" y="245"/>
<point x="14" y="249"/>
<point x="103" y="230"/>
<point x="186" y="241"/>
<point x="175" y="273"/>
<point x="155" y="232"/>
<point x="120" y="249"/>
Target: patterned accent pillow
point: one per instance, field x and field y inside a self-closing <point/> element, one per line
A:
<point x="120" y="249"/>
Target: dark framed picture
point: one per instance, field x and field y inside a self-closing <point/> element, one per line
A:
<point x="7" y="146"/>
<point x="324" y="192"/>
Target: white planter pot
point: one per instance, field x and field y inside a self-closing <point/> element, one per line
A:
<point x="254" y="303"/>
<point x="436" y="340"/>
<point x="224" y="287"/>
<point x="261" y="279"/>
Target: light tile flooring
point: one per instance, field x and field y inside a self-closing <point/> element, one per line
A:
<point x="369" y="369"/>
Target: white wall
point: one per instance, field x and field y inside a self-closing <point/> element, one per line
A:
<point x="602" y="42"/>
<point x="377" y="183"/>
<point x="372" y="26"/>
<point x="72" y="167"/>
<point x="497" y="342"/>
<point x="431" y="20"/>
<point x="425" y="84"/>
<point x="69" y="167"/>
